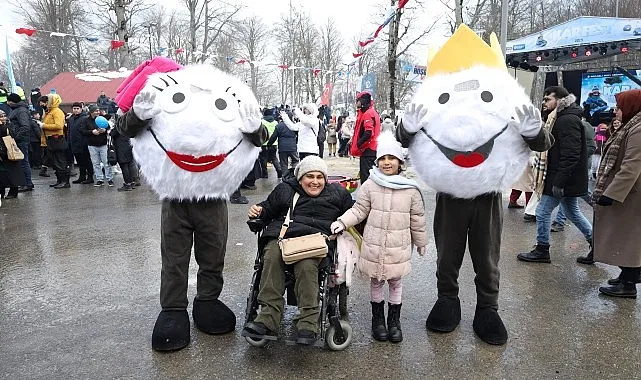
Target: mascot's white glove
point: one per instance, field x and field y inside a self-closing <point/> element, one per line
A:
<point x="414" y="117"/>
<point x="529" y="119"/>
<point x="251" y="117"/>
<point x="337" y="227"/>
<point x="145" y="106"/>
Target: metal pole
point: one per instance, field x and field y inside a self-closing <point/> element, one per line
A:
<point x="504" y="4"/>
<point x="616" y="12"/>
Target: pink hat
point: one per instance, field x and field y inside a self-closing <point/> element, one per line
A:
<point x="138" y="78"/>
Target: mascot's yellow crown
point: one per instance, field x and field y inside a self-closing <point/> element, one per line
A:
<point x="465" y="49"/>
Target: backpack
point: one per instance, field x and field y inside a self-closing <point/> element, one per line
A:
<point x="322" y="133"/>
<point x="589" y="138"/>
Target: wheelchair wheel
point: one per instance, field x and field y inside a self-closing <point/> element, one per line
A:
<point x="336" y="344"/>
<point x="256" y="342"/>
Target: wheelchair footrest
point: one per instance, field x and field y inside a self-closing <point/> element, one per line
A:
<point x="257" y="336"/>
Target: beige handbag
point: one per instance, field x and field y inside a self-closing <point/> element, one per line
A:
<point x="13" y="152"/>
<point x="302" y="247"/>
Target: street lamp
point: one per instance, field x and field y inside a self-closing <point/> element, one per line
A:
<point x="149" y="26"/>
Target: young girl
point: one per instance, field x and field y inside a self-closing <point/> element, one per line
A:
<point x="395" y="216"/>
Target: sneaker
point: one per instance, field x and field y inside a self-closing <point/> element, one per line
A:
<point x="88" y="181"/>
<point x="125" y="187"/>
<point x="22" y="189"/>
<point x="110" y="183"/>
<point x="306" y="337"/>
<point x="557" y="227"/>
<point x="514" y="205"/>
<point x="98" y="184"/>
<point x="529" y="218"/>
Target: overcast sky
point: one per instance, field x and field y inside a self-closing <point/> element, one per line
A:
<point x="351" y="17"/>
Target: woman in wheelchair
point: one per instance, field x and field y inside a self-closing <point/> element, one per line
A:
<point x="318" y="205"/>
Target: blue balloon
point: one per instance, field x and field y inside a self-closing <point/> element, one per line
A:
<point x="102" y="123"/>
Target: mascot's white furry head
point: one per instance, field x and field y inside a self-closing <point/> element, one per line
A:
<point x="195" y="147"/>
<point x="467" y="142"/>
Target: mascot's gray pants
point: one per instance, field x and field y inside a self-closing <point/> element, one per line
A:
<point x="202" y="224"/>
<point x="480" y="219"/>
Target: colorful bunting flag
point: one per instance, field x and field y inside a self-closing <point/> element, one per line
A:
<point x="27" y="31"/>
<point x="115" y="44"/>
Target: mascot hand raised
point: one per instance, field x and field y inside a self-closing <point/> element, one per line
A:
<point x="251" y="116"/>
<point x="414" y="117"/>
<point x="145" y="105"/>
<point x="529" y="121"/>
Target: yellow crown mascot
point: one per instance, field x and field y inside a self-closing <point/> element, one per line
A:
<point x="469" y="130"/>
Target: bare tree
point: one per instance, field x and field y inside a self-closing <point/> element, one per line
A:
<point x="208" y="21"/>
<point x="252" y="38"/>
<point x="397" y="31"/>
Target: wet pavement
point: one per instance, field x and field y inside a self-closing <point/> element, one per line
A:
<point x="79" y="283"/>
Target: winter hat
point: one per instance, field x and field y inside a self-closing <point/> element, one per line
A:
<point x="93" y="108"/>
<point x="387" y="144"/>
<point x="310" y="164"/>
<point x="13" y="97"/>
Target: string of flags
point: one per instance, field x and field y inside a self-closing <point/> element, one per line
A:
<point x="114" y="44"/>
<point x="390" y="15"/>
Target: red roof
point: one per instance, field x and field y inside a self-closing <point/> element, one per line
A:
<point x="71" y="89"/>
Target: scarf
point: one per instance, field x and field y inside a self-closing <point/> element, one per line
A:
<point x="609" y="157"/>
<point x="540" y="166"/>
<point x="396" y="181"/>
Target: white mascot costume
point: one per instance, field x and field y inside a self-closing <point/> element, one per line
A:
<point x="196" y="133"/>
<point x="469" y="130"/>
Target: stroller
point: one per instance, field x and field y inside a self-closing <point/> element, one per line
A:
<point x="334" y="332"/>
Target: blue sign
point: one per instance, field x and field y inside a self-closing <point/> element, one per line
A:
<point x="579" y="31"/>
<point x="598" y="89"/>
<point x="369" y="83"/>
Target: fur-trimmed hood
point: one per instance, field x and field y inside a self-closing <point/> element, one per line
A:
<point x="564" y="103"/>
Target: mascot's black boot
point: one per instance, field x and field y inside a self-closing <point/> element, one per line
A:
<point x="171" y="331"/>
<point x="379" y="331"/>
<point x="213" y="317"/>
<point x="394" y="334"/>
<point x="489" y="326"/>
<point x="445" y="315"/>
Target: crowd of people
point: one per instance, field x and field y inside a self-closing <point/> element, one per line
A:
<point x="83" y="139"/>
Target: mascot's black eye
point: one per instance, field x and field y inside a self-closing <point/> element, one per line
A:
<point x="487" y="96"/>
<point x="444" y="98"/>
<point x="221" y="104"/>
<point x="178" y="97"/>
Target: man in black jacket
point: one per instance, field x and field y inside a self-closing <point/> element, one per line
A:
<point x="79" y="144"/>
<point x="566" y="178"/>
<point x="97" y="146"/>
<point x="21" y="123"/>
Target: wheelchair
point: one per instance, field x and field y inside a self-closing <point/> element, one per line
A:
<point x="335" y="333"/>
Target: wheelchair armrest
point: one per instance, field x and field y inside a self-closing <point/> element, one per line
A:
<point x="255" y="225"/>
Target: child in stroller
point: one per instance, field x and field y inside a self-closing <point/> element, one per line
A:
<point x="318" y="204"/>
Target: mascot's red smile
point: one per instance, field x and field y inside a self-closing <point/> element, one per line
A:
<point x="193" y="163"/>
<point x="467" y="159"/>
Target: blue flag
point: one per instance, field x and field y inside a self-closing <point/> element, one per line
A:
<point x="12" y="79"/>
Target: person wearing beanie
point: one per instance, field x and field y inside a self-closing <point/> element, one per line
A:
<point x="78" y="143"/>
<point x="392" y="229"/>
<point x="21" y="128"/>
<point x="366" y="131"/>
<point x="317" y="205"/>
<point x="97" y="145"/>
